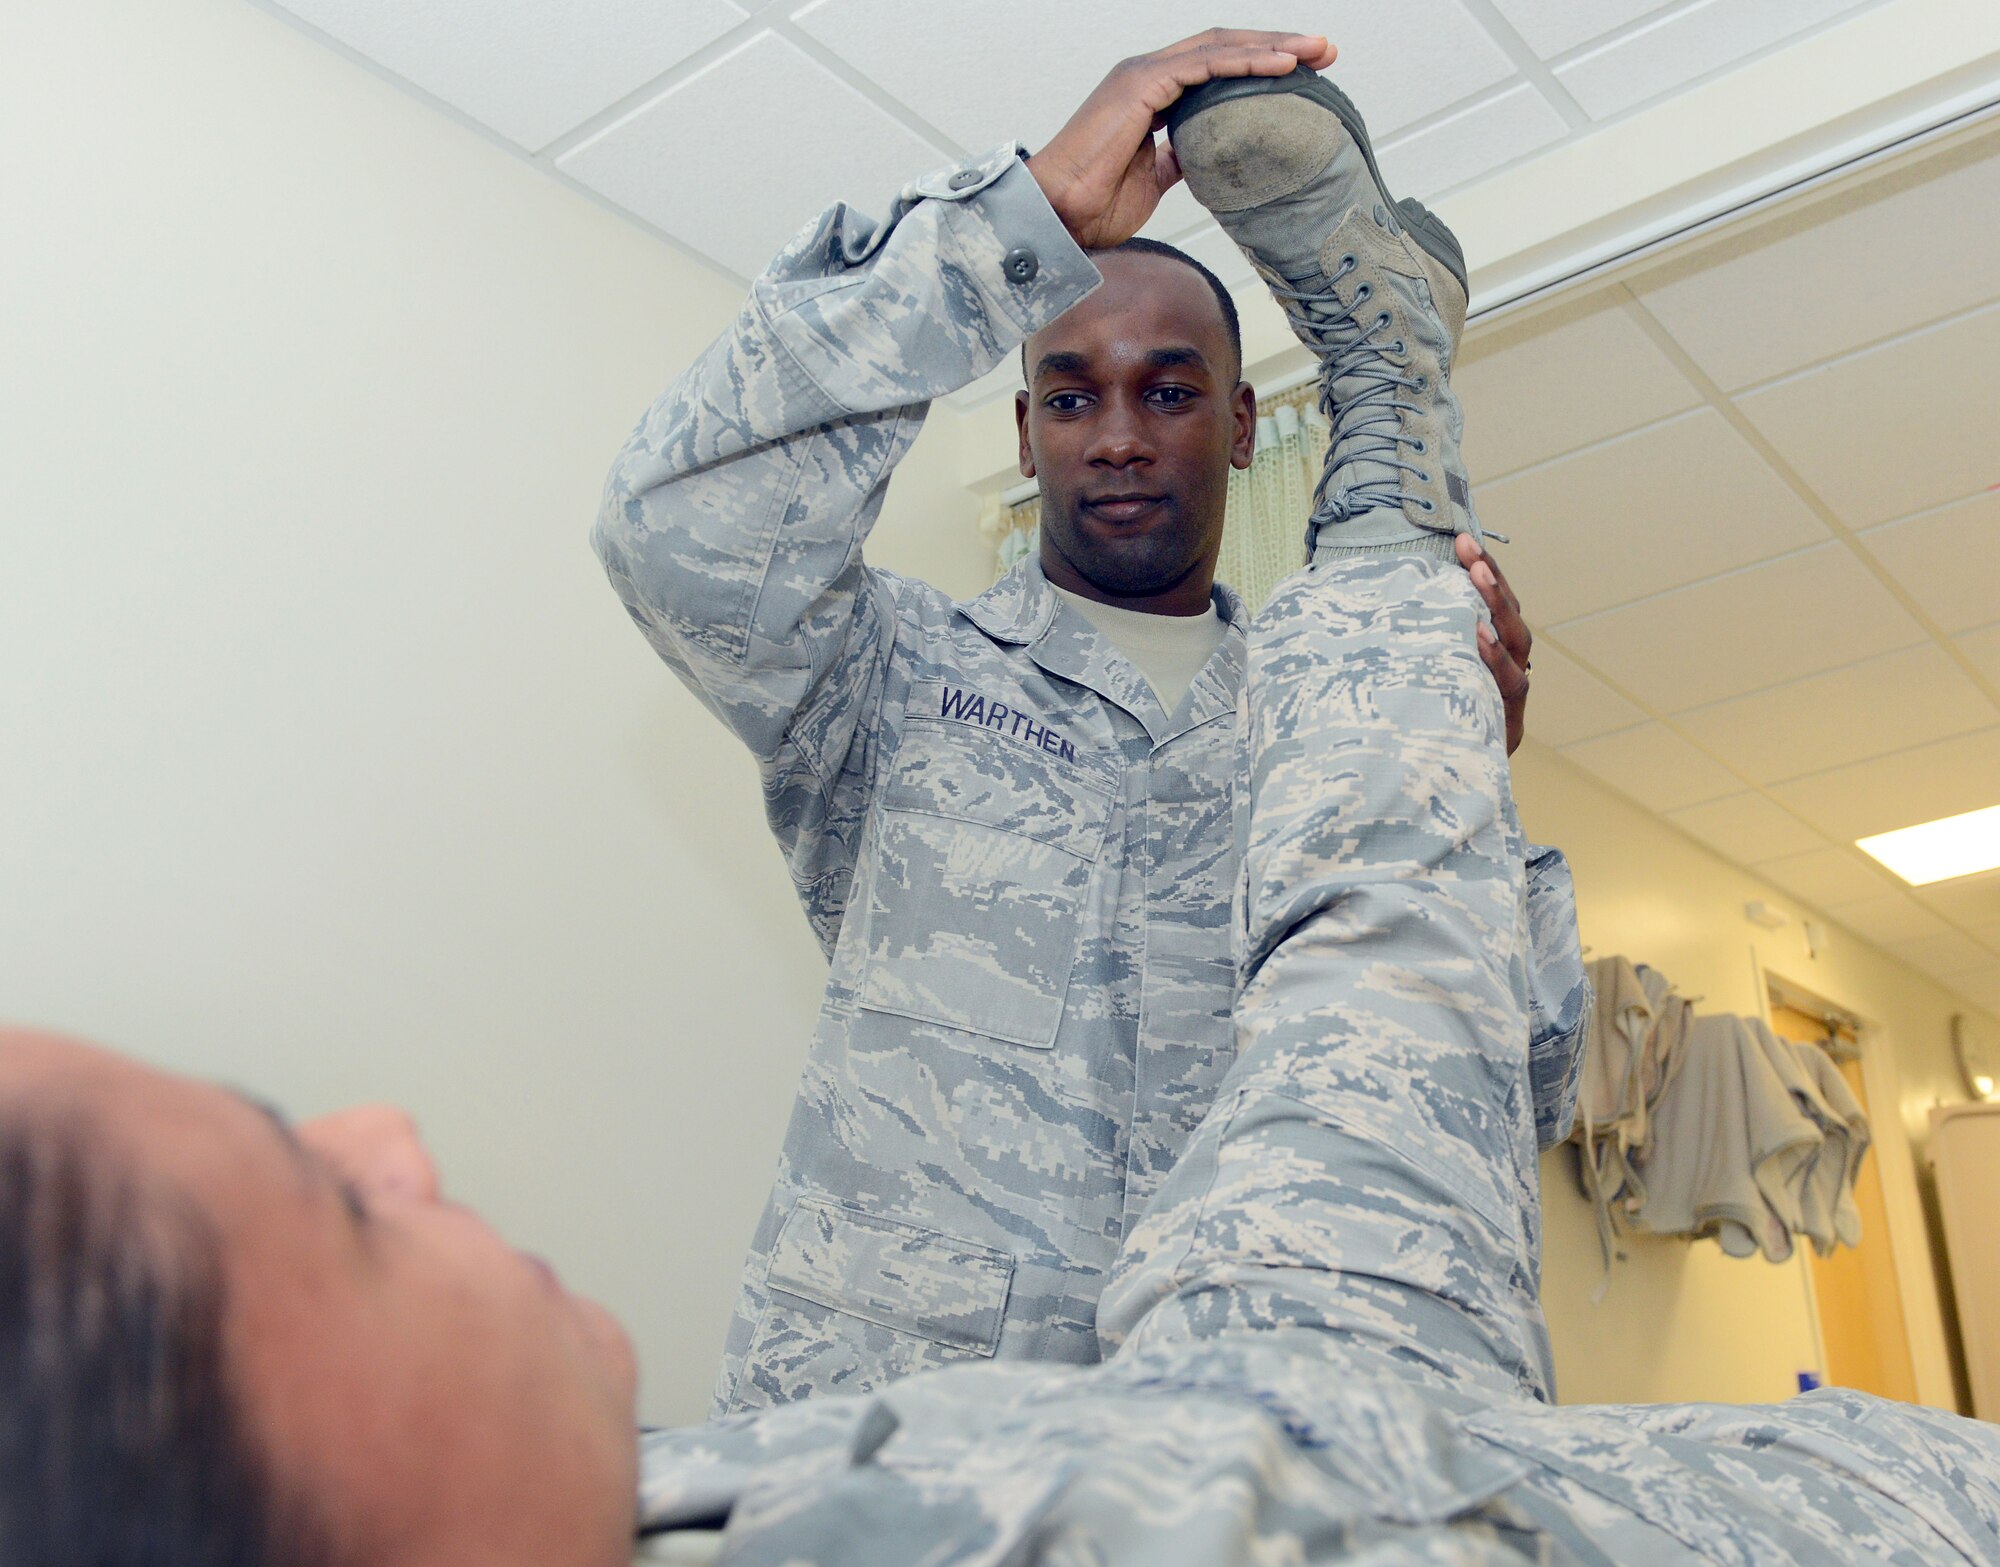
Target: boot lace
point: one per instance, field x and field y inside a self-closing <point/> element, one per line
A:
<point x="1367" y="424"/>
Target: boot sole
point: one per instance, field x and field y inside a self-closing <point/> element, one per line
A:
<point x="1425" y="227"/>
<point x="1429" y="231"/>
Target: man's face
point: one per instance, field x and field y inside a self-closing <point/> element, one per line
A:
<point x="1132" y="419"/>
<point x="434" y="1394"/>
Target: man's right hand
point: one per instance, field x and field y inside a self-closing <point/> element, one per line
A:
<point x="1103" y="172"/>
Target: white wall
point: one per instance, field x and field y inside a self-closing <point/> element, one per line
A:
<point x="1681" y="1320"/>
<point x="331" y="764"/>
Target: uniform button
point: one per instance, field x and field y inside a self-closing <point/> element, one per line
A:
<point x="1021" y="264"/>
<point x="963" y="178"/>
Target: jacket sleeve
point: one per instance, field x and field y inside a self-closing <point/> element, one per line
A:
<point x="733" y="520"/>
<point x="1560" y="998"/>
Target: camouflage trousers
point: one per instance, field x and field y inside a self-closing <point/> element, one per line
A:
<point x="1323" y="1337"/>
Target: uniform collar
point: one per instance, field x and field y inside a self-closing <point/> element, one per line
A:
<point x="1023" y="609"/>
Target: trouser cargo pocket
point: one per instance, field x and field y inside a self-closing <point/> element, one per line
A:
<point x="854" y="1301"/>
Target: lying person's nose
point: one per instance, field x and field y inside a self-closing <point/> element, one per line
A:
<point x="378" y="1148"/>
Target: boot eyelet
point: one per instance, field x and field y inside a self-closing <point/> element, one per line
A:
<point x="1398" y="346"/>
<point x="1418" y="447"/>
<point x="1422" y="382"/>
<point x="1363" y="292"/>
<point x="1428" y="505"/>
<point x="1423" y="478"/>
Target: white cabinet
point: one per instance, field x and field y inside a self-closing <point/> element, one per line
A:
<point x="1965" y="1157"/>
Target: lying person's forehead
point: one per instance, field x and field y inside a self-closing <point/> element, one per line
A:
<point x="155" y="1120"/>
<point x="32" y="1061"/>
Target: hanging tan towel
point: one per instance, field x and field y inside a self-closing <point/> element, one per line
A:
<point x="1671" y="1014"/>
<point x="1832" y="1217"/>
<point x="1727" y="1131"/>
<point x="1608" y="1094"/>
<point x="1779" y="1126"/>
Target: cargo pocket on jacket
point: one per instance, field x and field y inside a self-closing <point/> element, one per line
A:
<point x="855" y="1301"/>
<point x="984" y="857"/>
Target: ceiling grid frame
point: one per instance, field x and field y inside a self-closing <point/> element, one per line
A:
<point x="1725" y="404"/>
<point x="1533" y="69"/>
<point x="780" y="18"/>
<point x="1985" y="940"/>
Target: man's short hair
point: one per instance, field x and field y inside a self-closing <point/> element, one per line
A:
<point x="1141" y="246"/>
<point x="121" y="1436"/>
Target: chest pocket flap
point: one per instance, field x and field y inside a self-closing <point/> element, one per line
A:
<point x="984" y="858"/>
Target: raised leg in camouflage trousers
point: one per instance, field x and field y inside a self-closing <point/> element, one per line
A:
<point x="1369" y="1168"/>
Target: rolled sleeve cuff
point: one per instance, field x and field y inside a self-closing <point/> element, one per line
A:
<point x="1024" y="260"/>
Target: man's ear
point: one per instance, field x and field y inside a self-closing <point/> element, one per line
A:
<point x="1021" y="426"/>
<point x="1244" y="447"/>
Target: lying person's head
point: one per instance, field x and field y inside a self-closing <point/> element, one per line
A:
<point x="226" y="1341"/>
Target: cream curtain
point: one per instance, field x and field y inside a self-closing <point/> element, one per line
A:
<point x="1264" y="531"/>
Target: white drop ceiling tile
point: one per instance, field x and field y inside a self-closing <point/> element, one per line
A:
<point x="1683" y="45"/>
<point x="1567" y="703"/>
<point x="1459" y="56"/>
<point x="1971" y="901"/>
<point x="1472" y="142"/>
<point x="527" y="69"/>
<point x="1948" y="560"/>
<point x="1746" y="827"/>
<point x="1825" y="877"/>
<point x="1944" y="955"/>
<point x="1656" y="509"/>
<point x="1845" y="715"/>
<point x="992" y="73"/>
<point x="1983" y="648"/>
<point x="1733" y="634"/>
<point x="1944" y="778"/>
<point x="811" y="138"/>
<point x="1895" y="429"/>
<point x="1887" y="917"/>
<point x="1550" y="27"/>
<point x="1982" y="988"/>
<point x="1535" y="389"/>
<point x="1654" y="766"/>
<point x="1782" y="295"/>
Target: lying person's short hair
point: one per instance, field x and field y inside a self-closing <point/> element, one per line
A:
<point x="121" y="1438"/>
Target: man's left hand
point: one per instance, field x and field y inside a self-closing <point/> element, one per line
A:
<point x="1505" y="648"/>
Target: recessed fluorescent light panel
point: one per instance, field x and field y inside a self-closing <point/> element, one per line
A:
<point x="1939" y="850"/>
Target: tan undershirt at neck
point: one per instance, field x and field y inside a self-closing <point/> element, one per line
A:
<point x="1169" y="650"/>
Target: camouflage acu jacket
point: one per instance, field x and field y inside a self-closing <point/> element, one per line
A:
<point x="1019" y="865"/>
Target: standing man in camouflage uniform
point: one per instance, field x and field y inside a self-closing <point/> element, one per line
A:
<point x="1018" y="857"/>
